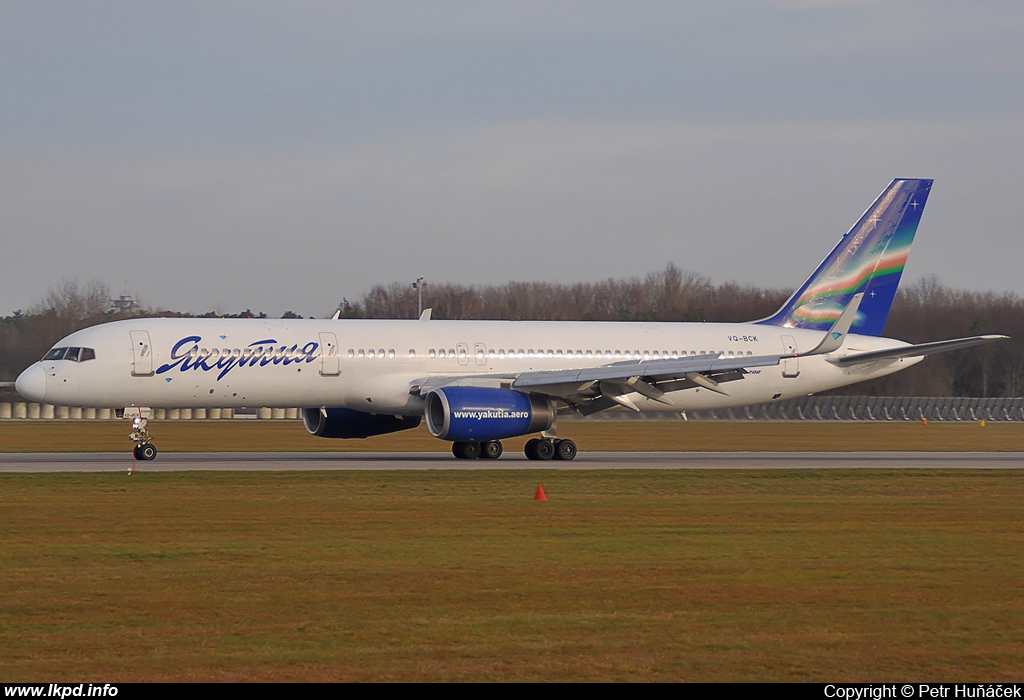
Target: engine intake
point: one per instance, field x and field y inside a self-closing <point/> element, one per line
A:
<point x="466" y="413"/>
<point x="349" y="423"/>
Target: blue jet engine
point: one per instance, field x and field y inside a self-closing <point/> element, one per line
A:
<point x="476" y="414"/>
<point x="349" y="423"/>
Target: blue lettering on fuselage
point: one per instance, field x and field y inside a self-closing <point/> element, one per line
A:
<point x="187" y="355"/>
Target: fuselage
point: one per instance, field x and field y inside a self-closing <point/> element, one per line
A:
<point x="377" y="365"/>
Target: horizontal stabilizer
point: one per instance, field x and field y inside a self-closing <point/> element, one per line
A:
<point x="916" y="350"/>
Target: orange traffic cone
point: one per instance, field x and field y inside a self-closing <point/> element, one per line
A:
<point x="540" y="495"/>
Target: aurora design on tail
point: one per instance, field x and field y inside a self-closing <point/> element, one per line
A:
<point x="869" y="259"/>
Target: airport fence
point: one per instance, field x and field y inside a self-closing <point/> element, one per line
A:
<point x="820" y="408"/>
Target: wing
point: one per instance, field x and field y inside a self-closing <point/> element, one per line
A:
<point x="592" y="389"/>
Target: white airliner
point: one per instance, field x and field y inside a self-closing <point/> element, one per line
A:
<point x="477" y="382"/>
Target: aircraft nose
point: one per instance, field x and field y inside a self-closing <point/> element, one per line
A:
<point x="32" y="383"/>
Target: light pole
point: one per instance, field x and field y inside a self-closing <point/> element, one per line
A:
<point x="418" y="286"/>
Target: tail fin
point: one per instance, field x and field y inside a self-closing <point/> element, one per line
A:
<point x="868" y="260"/>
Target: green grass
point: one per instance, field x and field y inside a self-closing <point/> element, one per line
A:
<point x="781" y="575"/>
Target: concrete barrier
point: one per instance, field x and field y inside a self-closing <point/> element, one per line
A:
<point x="807" y="408"/>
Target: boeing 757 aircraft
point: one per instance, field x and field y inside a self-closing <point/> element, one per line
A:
<point x="477" y="382"/>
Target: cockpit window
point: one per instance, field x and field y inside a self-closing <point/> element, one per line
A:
<point x="72" y="354"/>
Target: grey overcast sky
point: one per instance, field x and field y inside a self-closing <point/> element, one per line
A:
<point x="273" y="156"/>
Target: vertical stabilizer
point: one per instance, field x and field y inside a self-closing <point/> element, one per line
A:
<point x="869" y="260"/>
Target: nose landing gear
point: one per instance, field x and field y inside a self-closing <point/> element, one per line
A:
<point x="144" y="449"/>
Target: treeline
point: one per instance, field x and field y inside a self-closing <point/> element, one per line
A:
<point x="922" y="312"/>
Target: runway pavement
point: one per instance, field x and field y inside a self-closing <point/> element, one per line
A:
<point x="308" y="461"/>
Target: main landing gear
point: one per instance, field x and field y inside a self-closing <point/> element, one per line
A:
<point x="144" y="449"/>
<point x="536" y="448"/>
<point x="550" y="448"/>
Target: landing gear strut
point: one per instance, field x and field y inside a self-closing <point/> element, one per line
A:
<point x="144" y="449"/>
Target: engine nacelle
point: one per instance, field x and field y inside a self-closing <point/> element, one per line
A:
<point x="349" y="423"/>
<point x="467" y="413"/>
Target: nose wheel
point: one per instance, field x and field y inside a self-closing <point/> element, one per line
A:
<point x="145" y="452"/>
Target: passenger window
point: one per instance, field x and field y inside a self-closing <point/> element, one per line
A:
<point x="362" y="353"/>
<point x="391" y="353"/>
<point x="55" y="354"/>
<point x="412" y="352"/>
<point x="451" y="353"/>
<point x="371" y="353"/>
<point x="432" y="353"/>
<point x="351" y="352"/>
<point x="441" y="353"/>
<point x="87" y="354"/>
